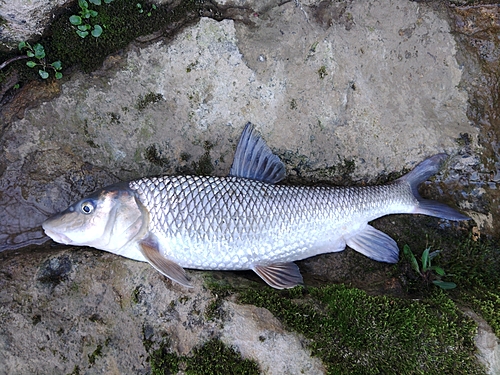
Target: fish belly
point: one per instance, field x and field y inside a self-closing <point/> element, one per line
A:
<point x="231" y="223"/>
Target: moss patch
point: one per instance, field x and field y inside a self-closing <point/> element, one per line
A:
<point x="476" y="269"/>
<point x="472" y="264"/>
<point x="153" y="155"/>
<point x="354" y="333"/>
<point x="213" y="358"/>
<point x="122" y="22"/>
<point x="145" y="101"/>
<point x="204" y="166"/>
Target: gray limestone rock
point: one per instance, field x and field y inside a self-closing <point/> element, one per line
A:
<point x="24" y="20"/>
<point x="99" y="313"/>
<point x="370" y="98"/>
<point x="333" y="87"/>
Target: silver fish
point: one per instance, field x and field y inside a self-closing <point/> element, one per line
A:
<point x="244" y="221"/>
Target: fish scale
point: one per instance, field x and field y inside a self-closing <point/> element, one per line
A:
<point x="204" y="221"/>
<point x="243" y="221"/>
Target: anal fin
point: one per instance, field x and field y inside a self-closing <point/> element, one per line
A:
<point x="150" y="250"/>
<point x="280" y="276"/>
<point x="375" y="245"/>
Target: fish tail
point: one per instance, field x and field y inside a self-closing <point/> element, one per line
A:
<point x="421" y="173"/>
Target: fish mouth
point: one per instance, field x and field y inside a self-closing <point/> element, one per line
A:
<point x="58" y="237"/>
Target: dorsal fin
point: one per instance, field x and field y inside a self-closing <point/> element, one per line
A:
<point x="255" y="160"/>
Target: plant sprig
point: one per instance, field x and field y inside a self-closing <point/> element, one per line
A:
<point x="82" y="21"/>
<point x="429" y="272"/>
<point x="38" y="53"/>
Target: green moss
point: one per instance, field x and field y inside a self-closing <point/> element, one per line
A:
<point x="338" y="173"/>
<point x="191" y="66"/>
<point x="353" y="332"/>
<point x="136" y="295"/>
<point x="152" y="155"/>
<point x="185" y="156"/>
<point x="122" y="23"/>
<point x="163" y="361"/>
<point x="212" y="358"/>
<point x="150" y="98"/>
<point x="204" y="166"/>
<point x="95" y="354"/>
<point x="322" y="72"/>
<point x="475" y="266"/>
<point x="88" y="137"/>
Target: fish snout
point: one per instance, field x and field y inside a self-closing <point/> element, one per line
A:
<point x="56" y="236"/>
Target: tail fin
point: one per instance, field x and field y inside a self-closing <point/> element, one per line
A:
<point x="420" y="174"/>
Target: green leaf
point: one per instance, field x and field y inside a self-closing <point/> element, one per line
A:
<point x="413" y="260"/>
<point x="84" y="27"/>
<point x="438" y="270"/>
<point x="444" y="284"/>
<point x="97" y="31"/>
<point x="39" y="51"/>
<point x="22" y="45"/>
<point x="31" y="64"/>
<point x="58" y="75"/>
<point x="57" y="65"/>
<point x="43" y="74"/>
<point x="108" y="1"/>
<point x="93" y="13"/>
<point x="83" y="4"/>
<point x="82" y="34"/>
<point x="95" y="2"/>
<point x="426" y="263"/>
<point x="30" y="54"/>
<point x="75" y="20"/>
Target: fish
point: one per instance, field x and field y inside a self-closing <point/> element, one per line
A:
<point x="244" y="221"/>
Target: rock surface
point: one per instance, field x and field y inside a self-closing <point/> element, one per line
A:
<point x="338" y="92"/>
<point x="24" y="20"/>
<point x="92" y="311"/>
<point x="371" y="98"/>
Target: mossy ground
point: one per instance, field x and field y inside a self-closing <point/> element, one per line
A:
<point x="472" y="263"/>
<point x="420" y="331"/>
<point x="354" y="333"/>
<point x="213" y="358"/>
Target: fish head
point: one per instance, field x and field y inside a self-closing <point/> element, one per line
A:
<point x="106" y="220"/>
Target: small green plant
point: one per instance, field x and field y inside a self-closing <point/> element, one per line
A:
<point x="38" y="53"/>
<point x="82" y="20"/>
<point x="141" y="9"/>
<point x="428" y="272"/>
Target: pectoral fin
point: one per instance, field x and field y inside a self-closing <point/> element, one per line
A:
<point x="170" y="269"/>
<point x="375" y="245"/>
<point x="280" y="276"/>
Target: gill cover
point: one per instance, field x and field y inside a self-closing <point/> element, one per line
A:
<point x="107" y="220"/>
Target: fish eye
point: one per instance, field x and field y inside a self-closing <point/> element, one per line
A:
<point x="87" y="207"/>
